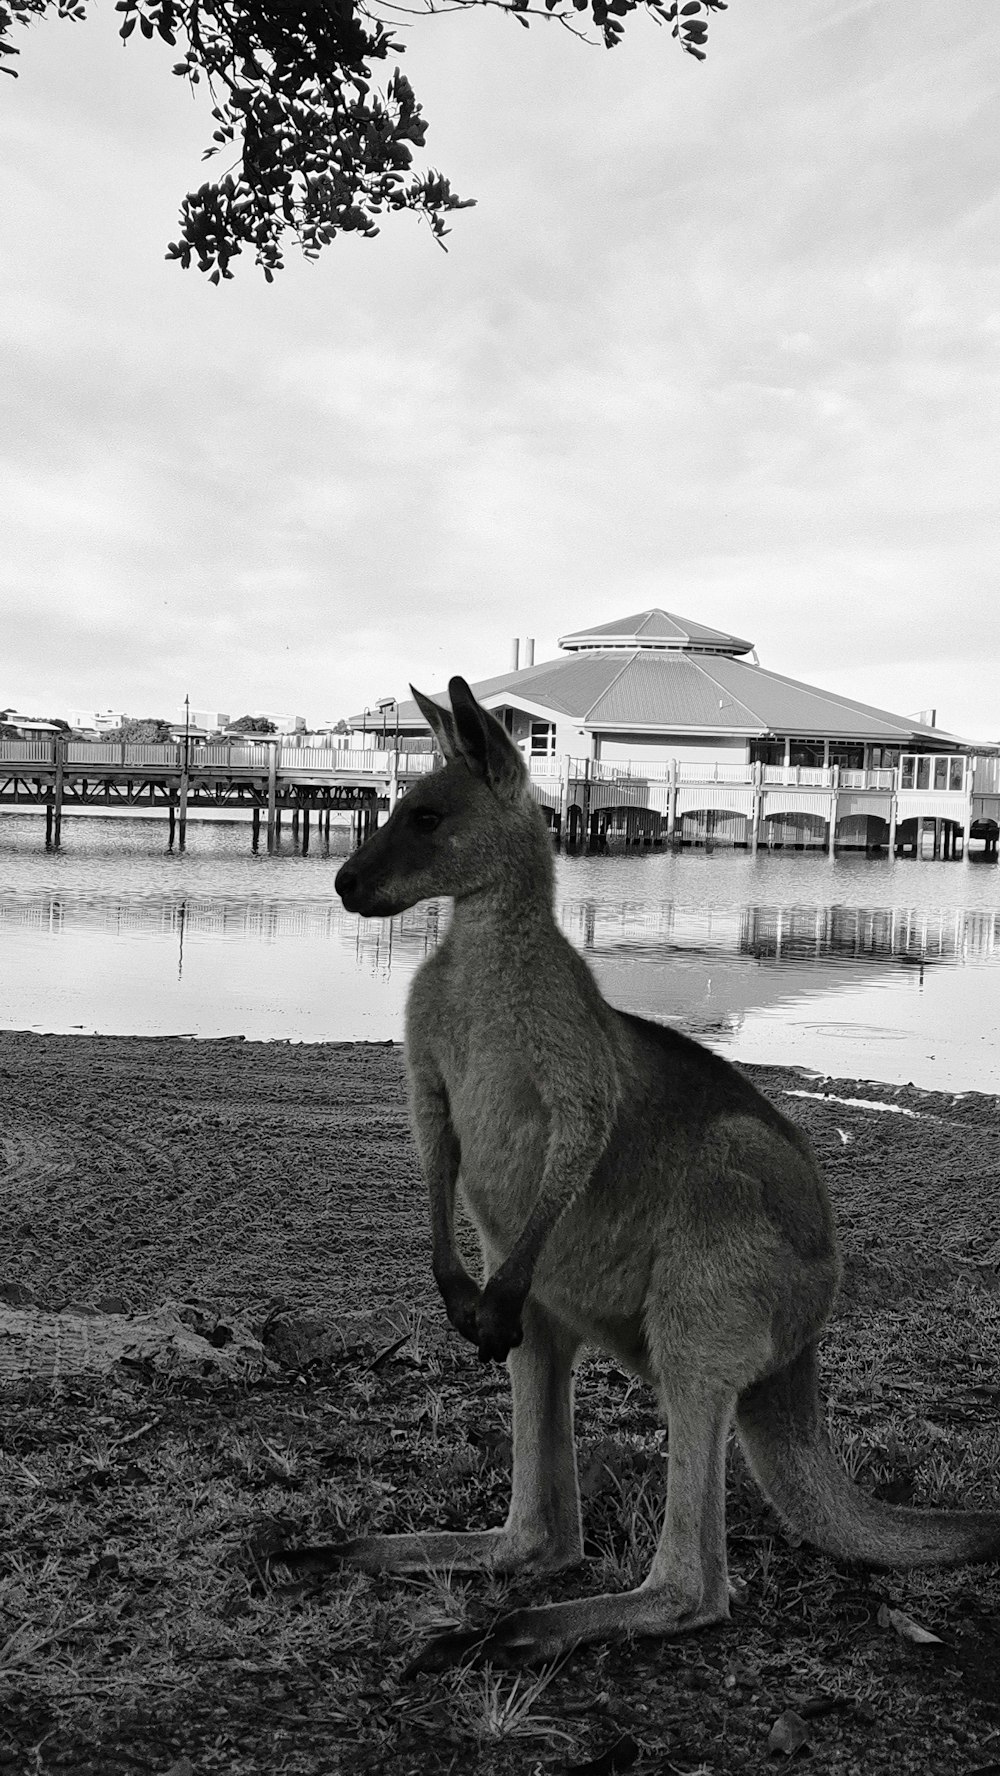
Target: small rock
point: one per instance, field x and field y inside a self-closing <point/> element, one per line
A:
<point x="788" y="1734"/>
<point x="17" y="1294"/>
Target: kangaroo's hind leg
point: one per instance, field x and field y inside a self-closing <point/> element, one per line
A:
<point x="686" y="1586"/>
<point x="543" y="1530"/>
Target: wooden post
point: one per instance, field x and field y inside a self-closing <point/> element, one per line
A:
<point x="672" y="801"/>
<point x="172" y="828"/>
<point x="892" y="823"/>
<point x="48" y="826"/>
<point x="255" y="840"/>
<point x="564" y="798"/>
<point x="272" y="792"/>
<point x="834" y="786"/>
<point x="60" y="745"/>
<point x="182" y="805"/>
<point x="305" y="829"/>
<point x="755" y="806"/>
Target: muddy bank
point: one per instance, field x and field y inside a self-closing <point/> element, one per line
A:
<point x="243" y="1171"/>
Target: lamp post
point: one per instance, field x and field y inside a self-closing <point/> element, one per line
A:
<point x="383" y="706"/>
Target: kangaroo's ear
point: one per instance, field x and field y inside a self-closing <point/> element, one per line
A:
<point x="442" y="724"/>
<point x="484" y="743"/>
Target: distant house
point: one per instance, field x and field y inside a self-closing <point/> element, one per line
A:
<point x="211" y="720"/>
<point x="96" y="721"/>
<point x="655" y="686"/>
<point x="27" y="727"/>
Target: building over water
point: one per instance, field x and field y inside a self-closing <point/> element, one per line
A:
<point x="655" y="686"/>
<point x="652" y="725"/>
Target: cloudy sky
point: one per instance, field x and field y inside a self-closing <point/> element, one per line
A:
<point x="723" y="338"/>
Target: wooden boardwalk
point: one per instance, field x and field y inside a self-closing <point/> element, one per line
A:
<point x="268" y="780"/>
<point x="954" y="797"/>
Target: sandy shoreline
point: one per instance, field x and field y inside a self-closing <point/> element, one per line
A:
<point x="244" y="1171"/>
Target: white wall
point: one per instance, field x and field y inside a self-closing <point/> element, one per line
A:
<point x="649" y="749"/>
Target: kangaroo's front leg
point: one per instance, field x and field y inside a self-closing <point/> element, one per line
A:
<point x="577" y="1137"/>
<point x="440" y="1157"/>
<point x="543" y="1530"/>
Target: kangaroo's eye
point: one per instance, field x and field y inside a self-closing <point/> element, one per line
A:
<point x="425" y="819"/>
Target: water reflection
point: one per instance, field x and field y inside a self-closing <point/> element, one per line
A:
<point x="850" y="965"/>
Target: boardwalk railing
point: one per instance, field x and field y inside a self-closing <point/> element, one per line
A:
<point x="307" y="762"/>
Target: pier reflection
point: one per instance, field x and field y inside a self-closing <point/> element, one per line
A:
<point x="782" y="934"/>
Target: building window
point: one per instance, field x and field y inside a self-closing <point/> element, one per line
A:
<point x="543" y="739"/>
<point x="884" y="758"/>
<point x="767" y="752"/>
<point x="850" y="757"/>
<point x="805" y="752"/>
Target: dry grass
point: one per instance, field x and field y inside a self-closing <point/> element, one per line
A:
<point x="142" y="1625"/>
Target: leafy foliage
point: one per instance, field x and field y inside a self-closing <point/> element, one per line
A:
<point x="143" y="731"/>
<point x="252" y="724"/>
<point x="318" y="148"/>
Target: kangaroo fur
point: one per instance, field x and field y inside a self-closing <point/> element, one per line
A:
<point x="631" y="1191"/>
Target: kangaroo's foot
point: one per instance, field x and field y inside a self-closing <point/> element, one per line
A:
<point x="528" y="1636"/>
<point x="487" y="1550"/>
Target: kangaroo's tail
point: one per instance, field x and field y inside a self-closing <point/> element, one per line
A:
<point x="781" y="1429"/>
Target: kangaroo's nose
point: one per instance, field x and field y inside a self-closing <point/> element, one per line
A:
<point x="346" y="882"/>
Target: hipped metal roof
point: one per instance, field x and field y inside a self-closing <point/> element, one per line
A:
<point x="660" y="676"/>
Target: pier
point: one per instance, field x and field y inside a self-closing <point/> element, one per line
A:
<point x="305" y="786"/>
<point x="940" y="800"/>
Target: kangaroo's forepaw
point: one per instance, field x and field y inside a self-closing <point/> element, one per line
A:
<point x="461" y="1298"/>
<point x="499" y="1326"/>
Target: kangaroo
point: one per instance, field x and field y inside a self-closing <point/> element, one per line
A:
<point x="631" y="1191"/>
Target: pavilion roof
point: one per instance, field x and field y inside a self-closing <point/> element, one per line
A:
<point x="654" y="672"/>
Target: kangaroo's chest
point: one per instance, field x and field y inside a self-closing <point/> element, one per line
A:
<point x="495" y="1101"/>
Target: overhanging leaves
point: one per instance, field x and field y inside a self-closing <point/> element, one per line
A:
<point x="317" y="146"/>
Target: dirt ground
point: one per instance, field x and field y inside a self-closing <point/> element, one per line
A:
<point x="262" y="1177"/>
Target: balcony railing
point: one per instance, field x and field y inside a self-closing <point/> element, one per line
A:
<point x="918" y="773"/>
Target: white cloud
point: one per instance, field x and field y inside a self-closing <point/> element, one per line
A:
<point x="722" y="338"/>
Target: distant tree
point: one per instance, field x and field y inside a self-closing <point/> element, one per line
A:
<point x="57" y="722"/>
<point x="7" y="732"/>
<point x="146" y="730"/>
<point x="316" y="149"/>
<point x="252" y="724"/>
<point x="342" y="727"/>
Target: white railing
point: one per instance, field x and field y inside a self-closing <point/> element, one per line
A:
<point x="880" y="779"/>
<point x="714" y="773"/>
<point x="949" y="773"/>
<point x="252" y="757"/>
<point x="25" y="752"/>
<point x="96" y="752"/>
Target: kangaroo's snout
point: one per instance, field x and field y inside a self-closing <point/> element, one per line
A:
<point x="364" y="890"/>
<point x="348" y="886"/>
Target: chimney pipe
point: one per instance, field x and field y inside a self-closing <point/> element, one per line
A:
<point x="515" y="648"/>
<point x="529" y="651"/>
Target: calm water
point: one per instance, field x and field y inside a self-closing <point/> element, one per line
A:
<point x="857" y="967"/>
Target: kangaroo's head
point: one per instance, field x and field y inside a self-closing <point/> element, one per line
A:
<point x="469" y="827"/>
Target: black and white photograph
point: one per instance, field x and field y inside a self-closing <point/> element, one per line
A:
<point x="499" y="887"/>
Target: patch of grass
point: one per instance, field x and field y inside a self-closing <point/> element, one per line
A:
<point x="141" y="1621"/>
